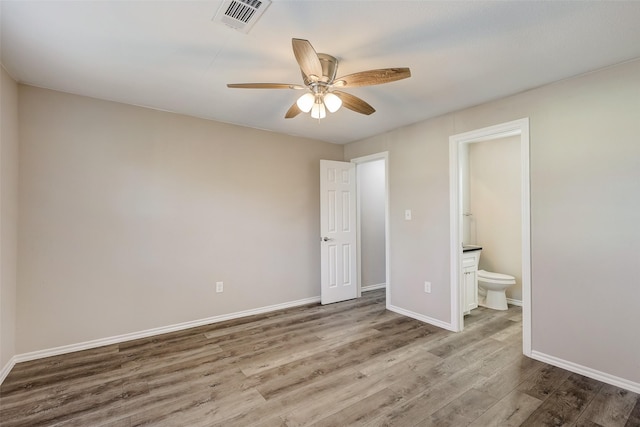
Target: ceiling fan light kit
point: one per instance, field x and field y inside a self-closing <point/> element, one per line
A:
<point x="317" y="103"/>
<point x="305" y="102"/>
<point x="319" y="77"/>
<point x="332" y="102"/>
<point x="318" y="111"/>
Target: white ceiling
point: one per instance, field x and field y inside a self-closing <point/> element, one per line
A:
<point x="170" y="55"/>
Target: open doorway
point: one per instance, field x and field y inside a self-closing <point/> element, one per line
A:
<point x="372" y="214"/>
<point x="458" y="149"/>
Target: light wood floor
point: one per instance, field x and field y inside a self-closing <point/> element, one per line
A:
<point x="346" y="364"/>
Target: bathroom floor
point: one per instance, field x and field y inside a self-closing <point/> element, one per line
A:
<point x="351" y="363"/>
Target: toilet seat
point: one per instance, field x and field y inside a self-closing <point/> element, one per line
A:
<point x="490" y="277"/>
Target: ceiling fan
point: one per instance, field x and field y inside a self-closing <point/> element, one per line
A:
<point x="320" y="82"/>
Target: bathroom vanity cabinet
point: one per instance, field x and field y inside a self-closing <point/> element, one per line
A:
<point x="470" y="260"/>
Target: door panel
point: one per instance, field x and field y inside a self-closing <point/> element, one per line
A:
<point x="338" y="231"/>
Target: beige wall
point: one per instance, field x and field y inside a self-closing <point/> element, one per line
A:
<point x="585" y="205"/>
<point x="129" y="216"/>
<point x="8" y="214"/>
<point x="418" y="180"/>
<point x="495" y="204"/>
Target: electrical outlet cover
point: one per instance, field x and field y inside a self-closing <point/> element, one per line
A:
<point x="427" y="287"/>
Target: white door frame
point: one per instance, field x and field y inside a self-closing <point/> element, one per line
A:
<point x="358" y="161"/>
<point x="516" y="127"/>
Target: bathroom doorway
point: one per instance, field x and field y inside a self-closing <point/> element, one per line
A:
<point x="461" y="221"/>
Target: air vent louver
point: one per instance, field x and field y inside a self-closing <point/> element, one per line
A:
<point x="241" y="14"/>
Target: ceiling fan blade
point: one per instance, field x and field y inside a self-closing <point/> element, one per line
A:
<point x="354" y="103"/>
<point x="372" y="77"/>
<point x="293" y="111"/>
<point x="307" y="59"/>
<point x="265" y="86"/>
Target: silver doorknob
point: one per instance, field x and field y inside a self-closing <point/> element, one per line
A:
<point x="326" y="239"/>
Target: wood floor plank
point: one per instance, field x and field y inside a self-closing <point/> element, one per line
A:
<point x="508" y="353"/>
<point x="567" y="402"/>
<point x="511" y="411"/>
<point x="544" y="382"/>
<point x="294" y="319"/>
<point x="108" y="415"/>
<point x="350" y="354"/>
<point x="634" y="416"/>
<point x="194" y="410"/>
<point x="350" y="363"/>
<point x="462" y="410"/>
<point x="414" y="357"/>
<point x="339" y="398"/>
<point x="356" y="325"/>
<point x="295" y="399"/>
<point x="64" y="406"/>
<point x="509" y="376"/>
<point x="425" y="395"/>
<point x="512" y="333"/>
<point x="611" y="407"/>
<point x="57" y="369"/>
<point x="363" y="412"/>
<point x="287" y="355"/>
<point x="475" y="356"/>
<point x="457" y="342"/>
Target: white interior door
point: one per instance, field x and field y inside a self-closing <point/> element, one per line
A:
<point x="338" y="231"/>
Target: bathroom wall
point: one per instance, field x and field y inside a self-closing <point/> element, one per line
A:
<point x="495" y="203"/>
<point x="371" y="179"/>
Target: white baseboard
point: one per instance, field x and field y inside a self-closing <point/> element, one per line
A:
<point x="373" y="287"/>
<point x="40" y="354"/>
<point x="514" y="302"/>
<point x="421" y="317"/>
<point x="7" y="368"/>
<point x="587" y="372"/>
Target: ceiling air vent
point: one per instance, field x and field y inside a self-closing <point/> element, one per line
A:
<point x="241" y="14"/>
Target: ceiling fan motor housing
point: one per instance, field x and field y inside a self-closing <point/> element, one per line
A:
<point x="329" y="69"/>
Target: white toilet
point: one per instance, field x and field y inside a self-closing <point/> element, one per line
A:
<point x="495" y="285"/>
